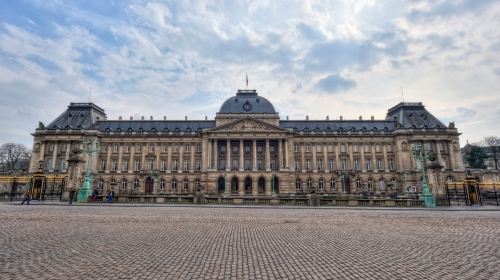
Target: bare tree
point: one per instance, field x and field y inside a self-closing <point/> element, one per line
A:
<point x="14" y="157"/>
<point x="493" y="143"/>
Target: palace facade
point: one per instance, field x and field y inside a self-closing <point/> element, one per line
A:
<point x="247" y="151"/>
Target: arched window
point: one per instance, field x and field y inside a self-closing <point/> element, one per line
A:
<point x="100" y="184"/>
<point x="162" y="184"/>
<point x="309" y="184"/>
<point x="298" y="184"/>
<point x="261" y="185"/>
<point x="112" y="181"/>
<point x="370" y="184"/>
<point x="124" y="184"/>
<point x="197" y="183"/>
<point x="381" y="183"/>
<point x="174" y="184"/>
<point x="248" y="185"/>
<point x="136" y="184"/>
<point x="221" y="184"/>
<point x="234" y="185"/>
<point x="358" y="183"/>
<point x="185" y="184"/>
<point x="333" y="184"/>
<point x="321" y="184"/>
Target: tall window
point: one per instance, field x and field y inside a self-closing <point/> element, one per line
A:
<point x="368" y="163"/>
<point x="235" y="149"/>
<point x="62" y="164"/>
<point x="163" y="148"/>
<point x="49" y="165"/>
<point x="100" y="184"/>
<point x="103" y="165"/>
<point x="198" y="148"/>
<point x="260" y="164"/>
<point x="377" y="148"/>
<point x="248" y="149"/>
<point x="175" y="165"/>
<point x="272" y="164"/>
<point x="394" y="183"/>
<point x="151" y="148"/>
<point x="162" y="184"/>
<point x="381" y="183"/>
<point x="343" y="148"/>
<point x="175" y="148"/>
<point x="297" y="165"/>
<point x="296" y="148"/>
<point x="367" y="148"/>
<point x="185" y="184"/>
<point x="321" y="184"/>
<point x="308" y="164"/>
<point x="136" y="184"/>
<point x="318" y="148"/>
<point x="151" y="165"/>
<point x="114" y="164"/>
<point x="137" y="165"/>
<point x="125" y="165"/>
<point x="187" y="147"/>
<point x="330" y="148"/>
<point x="370" y="184"/>
<point x="174" y="184"/>
<point x="309" y="184"/>
<point x="115" y="148"/>
<point x="197" y="164"/>
<point x="124" y="184"/>
<point x="222" y="164"/>
<point x="331" y="164"/>
<point x="320" y="164"/>
<point x="298" y="184"/>
<point x="391" y="164"/>
<point x="127" y="148"/>
<point x="186" y="165"/>
<point x="163" y="165"/>
<point x="308" y="147"/>
<point x="389" y="148"/>
<point x="333" y="184"/>
<point x="355" y="148"/>
<point x="235" y="164"/>
<point x="358" y="183"/>
<point x="248" y="164"/>
<point x="259" y="149"/>
<point x="380" y="166"/>
<point x="344" y="164"/>
<point x="138" y="147"/>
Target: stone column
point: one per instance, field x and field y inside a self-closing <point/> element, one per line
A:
<point x="120" y="159"/>
<point x="314" y="158"/>
<point x="351" y="156"/>
<point x="374" y="160"/>
<point x="108" y="159"/>
<point x="362" y="152"/>
<point x="438" y="152"/>
<point x="131" y="162"/>
<point x="268" y="186"/>
<point x="287" y="159"/>
<point x="144" y="150"/>
<point x="302" y="157"/>
<point x="254" y="157"/>
<point x="169" y="157"/>
<point x="267" y="156"/>
<point x="255" y="185"/>
<point x="228" y="155"/>
<point x="54" y="156"/>
<point x="216" y="158"/>
<point x="205" y="154"/>
<point x="241" y="184"/>
<point x="325" y="159"/>
<point x="191" y="165"/>
<point x="337" y="156"/>
<point x="66" y="157"/>
<point x="241" y="155"/>
<point x="280" y="154"/>
<point x="451" y="154"/>
<point x="42" y="153"/>
<point x="384" y="152"/>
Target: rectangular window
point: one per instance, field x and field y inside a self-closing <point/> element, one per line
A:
<point x="222" y="164"/>
<point x="163" y="165"/>
<point x="367" y="148"/>
<point x="343" y="148"/>
<point x="187" y="147"/>
<point x="331" y="164"/>
<point x="198" y="148"/>
<point x="297" y="148"/>
<point x="103" y="165"/>
<point x="125" y="165"/>
<point x="260" y="164"/>
<point x="368" y="163"/>
<point x="175" y="148"/>
<point x="273" y="164"/>
<point x="163" y="148"/>
<point x="272" y="148"/>
<point x="308" y="147"/>
<point x="197" y="165"/>
<point x="64" y="147"/>
<point x="62" y="163"/>
<point x="49" y="165"/>
<point x="186" y="165"/>
<point x="259" y="149"/>
<point x="127" y="148"/>
<point x="114" y="164"/>
<point x="391" y="164"/>
<point x="320" y="164"/>
<point x="318" y="148"/>
<point x="355" y="148"/>
<point x="115" y="148"/>
<point x="377" y="148"/>
<point x="389" y="148"/>
<point x="248" y="164"/>
<point x="247" y="149"/>
<point x="175" y="165"/>
<point x="380" y="166"/>
<point x="222" y="149"/>
<point x="151" y="148"/>
<point x="330" y="148"/>
<point x="138" y="148"/>
<point x="235" y="149"/>
<point x="297" y="165"/>
<point x="344" y="164"/>
<point x="356" y="164"/>
<point x="151" y="165"/>
<point x="234" y="165"/>
<point x="137" y="165"/>
<point x="308" y="164"/>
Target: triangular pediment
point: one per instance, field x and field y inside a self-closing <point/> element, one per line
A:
<point x="248" y="125"/>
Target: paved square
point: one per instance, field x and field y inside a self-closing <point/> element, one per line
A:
<point x="62" y="242"/>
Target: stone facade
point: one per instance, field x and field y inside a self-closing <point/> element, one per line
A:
<point x="251" y="151"/>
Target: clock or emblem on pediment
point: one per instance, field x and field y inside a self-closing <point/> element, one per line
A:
<point x="247" y="107"/>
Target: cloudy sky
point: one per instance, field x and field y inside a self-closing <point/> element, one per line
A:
<point x="315" y="58"/>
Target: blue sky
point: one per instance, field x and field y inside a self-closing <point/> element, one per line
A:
<point x="315" y="58"/>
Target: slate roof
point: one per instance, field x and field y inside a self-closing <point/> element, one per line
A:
<point x="78" y="116"/>
<point x="155" y="125"/>
<point x="413" y="115"/>
<point x="247" y="102"/>
<point x="339" y="126"/>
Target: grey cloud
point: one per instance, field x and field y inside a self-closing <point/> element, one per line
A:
<point x="309" y="32"/>
<point x="335" y="83"/>
<point x="450" y="8"/>
<point x="497" y="71"/>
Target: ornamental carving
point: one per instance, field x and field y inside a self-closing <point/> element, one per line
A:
<point x="247" y="125"/>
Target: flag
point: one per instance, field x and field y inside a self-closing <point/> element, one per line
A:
<point x="247" y="79"/>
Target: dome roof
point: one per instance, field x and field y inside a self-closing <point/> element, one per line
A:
<point x="247" y="102"/>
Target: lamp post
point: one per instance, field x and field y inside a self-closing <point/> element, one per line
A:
<point x="86" y="189"/>
<point x="420" y="155"/>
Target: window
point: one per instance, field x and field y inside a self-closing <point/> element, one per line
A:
<point x="367" y="148"/>
<point x="391" y="164"/>
<point x="151" y="165"/>
<point x="175" y="148"/>
<point x="308" y="147"/>
<point x="174" y="184"/>
<point x="198" y="148"/>
<point x="298" y="184"/>
<point x="308" y="164"/>
<point x="331" y="164"/>
<point x="125" y="165"/>
<point x="358" y="183"/>
<point x="380" y="166"/>
<point x="138" y="148"/>
<point x="260" y="164"/>
<point x="136" y="184"/>
<point x="222" y="164"/>
<point x="115" y="148"/>
<point x="175" y="165"/>
<point x="186" y="165"/>
<point x="100" y="184"/>
<point x="273" y="164"/>
<point x="49" y="165"/>
<point x="356" y="164"/>
<point x="377" y="148"/>
<point x="343" y="148"/>
<point x="394" y="183"/>
<point x="64" y="147"/>
<point x="248" y="164"/>
<point x="137" y="165"/>
<point x="370" y="184"/>
<point x="381" y="184"/>
<point x="333" y="184"/>
<point x="320" y="164"/>
<point x="234" y="165"/>
<point x="309" y="184"/>
<point x="297" y="165"/>
<point x="355" y="148"/>
<point x="318" y="148"/>
<point x="368" y="163"/>
<point x="114" y="165"/>
<point x="321" y="184"/>
<point x="187" y="147"/>
<point x="127" y="148"/>
<point x="197" y="165"/>
<point x="296" y="148"/>
<point x="235" y="149"/>
<point x="272" y="148"/>
<point x="163" y="165"/>
<point x="185" y="184"/>
<point x="103" y="165"/>
<point x="163" y="148"/>
<point x="151" y="148"/>
<point x="62" y="164"/>
<point x="197" y="183"/>
<point x="247" y="149"/>
<point x="162" y="184"/>
<point x="344" y="164"/>
<point x="112" y="182"/>
<point x="259" y="149"/>
<point x="389" y="148"/>
<point x="330" y="148"/>
<point x="124" y="184"/>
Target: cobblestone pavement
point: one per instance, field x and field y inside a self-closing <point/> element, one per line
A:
<point x="95" y="242"/>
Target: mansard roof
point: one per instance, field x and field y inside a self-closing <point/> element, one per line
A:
<point x="413" y="115"/>
<point x="155" y="125"/>
<point x="78" y="116"/>
<point x="338" y="125"/>
<point x="247" y="102"/>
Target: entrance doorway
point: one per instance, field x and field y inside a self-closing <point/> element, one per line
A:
<point x="148" y="188"/>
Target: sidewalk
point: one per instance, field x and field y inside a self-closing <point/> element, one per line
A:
<point x="104" y="204"/>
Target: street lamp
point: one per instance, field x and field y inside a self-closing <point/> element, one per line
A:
<point x="420" y="154"/>
<point x="86" y="188"/>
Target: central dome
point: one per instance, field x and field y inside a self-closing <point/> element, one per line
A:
<point x="247" y="102"/>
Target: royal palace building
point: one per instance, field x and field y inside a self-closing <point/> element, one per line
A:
<point x="249" y="151"/>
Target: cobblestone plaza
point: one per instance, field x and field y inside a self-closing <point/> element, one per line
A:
<point x="126" y="242"/>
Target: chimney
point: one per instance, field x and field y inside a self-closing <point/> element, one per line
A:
<point x="373" y="118"/>
<point x="287" y="118"/>
<point x="341" y="118"/>
<point x="150" y="118"/>
<point x="206" y="118"/>
<point x="120" y="118"/>
<point x="131" y="118"/>
<point x="142" y="118"/>
<point x="164" y="118"/>
<point x="307" y="118"/>
<point x="185" y="118"/>
<point x="360" y="118"/>
<point x="327" y="118"/>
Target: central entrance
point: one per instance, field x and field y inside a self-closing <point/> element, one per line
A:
<point x="148" y="188"/>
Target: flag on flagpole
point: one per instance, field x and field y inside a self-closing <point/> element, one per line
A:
<point x="246" y="80"/>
